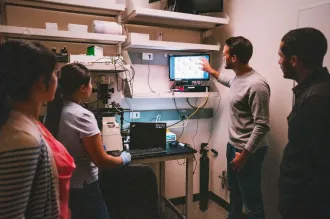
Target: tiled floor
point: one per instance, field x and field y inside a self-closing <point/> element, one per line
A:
<point x="214" y="212"/>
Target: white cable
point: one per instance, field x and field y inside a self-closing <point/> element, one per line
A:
<point x="158" y="118"/>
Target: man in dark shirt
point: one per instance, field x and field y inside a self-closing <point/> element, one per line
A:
<point x="304" y="183"/>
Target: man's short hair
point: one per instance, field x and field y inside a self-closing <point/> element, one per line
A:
<point x="241" y="47"/>
<point x="308" y="44"/>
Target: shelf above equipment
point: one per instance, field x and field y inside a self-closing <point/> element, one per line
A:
<point x="174" y="95"/>
<point x="135" y="41"/>
<point x="162" y="18"/>
<point x="106" y="68"/>
<point x="102" y="8"/>
<point x="59" y="35"/>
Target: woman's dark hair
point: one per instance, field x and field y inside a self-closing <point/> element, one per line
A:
<point x="241" y="47"/>
<point x="22" y="64"/>
<point x="72" y="77"/>
<point x="308" y="44"/>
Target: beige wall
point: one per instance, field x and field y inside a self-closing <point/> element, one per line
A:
<point x="264" y="22"/>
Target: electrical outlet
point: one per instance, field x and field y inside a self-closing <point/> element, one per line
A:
<point x="147" y="56"/>
<point x="135" y="115"/>
<point x="183" y="114"/>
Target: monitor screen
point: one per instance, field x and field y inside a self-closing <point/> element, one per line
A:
<point x="187" y="68"/>
<point x="147" y="135"/>
<point x="200" y="6"/>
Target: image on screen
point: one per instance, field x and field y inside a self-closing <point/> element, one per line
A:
<point x="188" y="68"/>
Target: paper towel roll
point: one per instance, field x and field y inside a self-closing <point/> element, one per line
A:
<point x="107" y="27"/>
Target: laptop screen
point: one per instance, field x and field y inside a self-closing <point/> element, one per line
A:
<point x="145" y="135"/>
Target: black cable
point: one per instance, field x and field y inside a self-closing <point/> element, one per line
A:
<point x="180" y="163"/>
<point x="195" y="165"/>
<point x="177" y="108"/>
<point x="196" y="104"/>
<point x="149" y="77"/>
<point x="178" y="113"/>
<point x="184" y="162"/>
<point x="126" y="75"/>
<point x="122" y="79"/>
<point x="216" y="112"/>
<point x="180" y="134"/>
<point x="175" y="123"/>
<point x="126" y="70"/>
<point x="173" y="85"/>
<point x="132" y="78"/>
<point x="119" y="76"/>
<point x="115" y="67"/>
<point x="197" y="118"/>
<point x="126" y="79"/>
<point x="129" y="80"/>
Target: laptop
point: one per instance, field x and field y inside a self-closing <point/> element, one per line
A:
<point x="147" y="138"/>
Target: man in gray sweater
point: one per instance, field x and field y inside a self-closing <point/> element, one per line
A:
<point x="248" y="126"/>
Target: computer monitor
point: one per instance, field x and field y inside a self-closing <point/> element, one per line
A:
<point x="195" y="6"/>
<point x="187" y="68"/>
<point x="204" y="6"/>
<point x="145" y="135"/>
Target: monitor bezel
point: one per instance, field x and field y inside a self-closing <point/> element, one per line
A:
<point x="208" y="11"/>
<point x="188" y="80"/>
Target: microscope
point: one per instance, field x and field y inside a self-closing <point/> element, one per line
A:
<point x="111" y="130"/>
<point x="103" y="91"/>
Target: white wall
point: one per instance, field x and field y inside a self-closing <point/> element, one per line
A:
<point x="196" y="132"/>
<point x="264" y="22"/>
<point x="317" y="16"/>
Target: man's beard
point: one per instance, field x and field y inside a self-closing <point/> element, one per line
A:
<point x="288" y="71"/>
<point x="227" y="65"/>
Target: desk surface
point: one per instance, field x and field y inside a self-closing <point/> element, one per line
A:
<point x="170" y="152"/>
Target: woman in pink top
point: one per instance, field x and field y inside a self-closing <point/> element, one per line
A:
<point x="65" y="166"/>
<point x="35" y="170"/>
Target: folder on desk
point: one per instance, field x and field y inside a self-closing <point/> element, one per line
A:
<point x="147" y="138"/>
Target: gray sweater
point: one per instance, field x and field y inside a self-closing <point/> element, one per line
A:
<point x="249" y="110"/>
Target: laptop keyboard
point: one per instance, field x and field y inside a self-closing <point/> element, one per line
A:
<point x="147" y="151"/>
